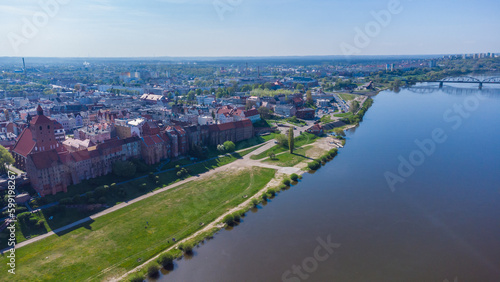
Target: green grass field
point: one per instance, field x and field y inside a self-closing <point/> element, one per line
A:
<point x="349" y="114"/>
<point x="347" y="97"/>
<point x="289" y="160"/>
<point x="304" y="139"/>
<point x="131" y="190"/>
<point x="122" y="240"/>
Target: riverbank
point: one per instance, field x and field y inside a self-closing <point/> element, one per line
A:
<point x="118" y="244"/>
<point x="321" y="151"/>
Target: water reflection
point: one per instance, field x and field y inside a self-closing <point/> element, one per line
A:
<point x="442" y="222"/>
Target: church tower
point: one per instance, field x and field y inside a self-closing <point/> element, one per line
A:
<point x="42" y="130"/>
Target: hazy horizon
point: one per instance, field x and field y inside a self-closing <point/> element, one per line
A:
<point x="238" y="28"/>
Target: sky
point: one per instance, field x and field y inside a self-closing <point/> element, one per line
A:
<point x="188" y="28"/>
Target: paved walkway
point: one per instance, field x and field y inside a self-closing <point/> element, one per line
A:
<point x="243" y="162"/>
<point x="16" y="170"/>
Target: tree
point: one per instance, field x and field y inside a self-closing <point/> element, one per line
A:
<point x="268" y="85"/>
<point x="190" y="95"/>
<point x="354" y="106"/>
<point x="290" y="140"/>
<point x="229" y="146"/>
<point x="246" y="88"/>
<point x="309" y="98"/>
<point x="281" y="140"/>
<point x="166" y="260"/>
<point x="5" y="159"/>
<point x="264" y="112"/>
<point x="299" y="86"/>
<point x="124" y="168"/>
<point x="339" y="132"/>
<point x="250" y="104"/>
<point x="153" y="271"/>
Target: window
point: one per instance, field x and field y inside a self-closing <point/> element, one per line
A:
<point x="48" y="126"/>
<point x="40" y="127"/>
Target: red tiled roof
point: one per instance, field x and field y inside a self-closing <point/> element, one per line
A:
<point x="46" y="159"/>
<point x="82" y="155"/>
<point x="25" y="143"/>
<point x="131" y="139"/>
<point x="251" y="112"/>
<point x="226" y="126"/>
<point x="57" y="125"/>
<point x="65" y="157"/>
<point x="40" y="120"/>
<point x="180" y="130"/>
<point x="213" y="127"/>
<point x="246" y="122"/>
<point x="165" y="138"/>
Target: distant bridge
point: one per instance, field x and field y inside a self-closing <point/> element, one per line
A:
<point x="453" y="90"/>
<point x="468" y="79"/>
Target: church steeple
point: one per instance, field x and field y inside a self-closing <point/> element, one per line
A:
<point x="39" y="110"/>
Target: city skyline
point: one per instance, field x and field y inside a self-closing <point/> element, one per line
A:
<point x="221" y="28"/>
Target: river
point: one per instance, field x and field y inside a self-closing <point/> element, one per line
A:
<point x="439" y="220"/>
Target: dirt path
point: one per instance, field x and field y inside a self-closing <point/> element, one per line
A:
<point x="244" y="162"/>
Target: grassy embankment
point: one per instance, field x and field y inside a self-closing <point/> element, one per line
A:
<point x="304" y="139"/>
<point x="115" y="194"/>
<point x="122" y="240"/>
<point x="289" y="160"/>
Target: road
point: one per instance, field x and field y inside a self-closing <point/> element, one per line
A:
<point x="243" y="162"/>
<point x="297" y="129"/>
<point x="342" y="104"/>
<point x="14" y="169"/>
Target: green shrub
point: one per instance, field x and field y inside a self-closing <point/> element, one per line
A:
<point x="294" y="177"/>
<point x="237" y="217"/>
<point x="166" y="260"/>
<point x="324" y="159"/>
<point x="23" y="217"/>
<point x="264" y="197"/>
<point x="65" y="201"/>
<point x="255" y="202"/>
<point x="272" y="192"/>
<point x="314" y="165"/>
<point x="153" y="271"/>
<point x="229" y="146"/>
<point x="283" y="187"/>
<point x="102" y="200"/>
<point x="136" y="278"/>
<point x="40" y="223"/>
<point x="228" y="219"/>
<point x="286" y="181"/>
<point x="187" y="248"/>
<point x="124" y="168"/>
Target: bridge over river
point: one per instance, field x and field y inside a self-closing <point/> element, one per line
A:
<point x="468" y="79"/>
